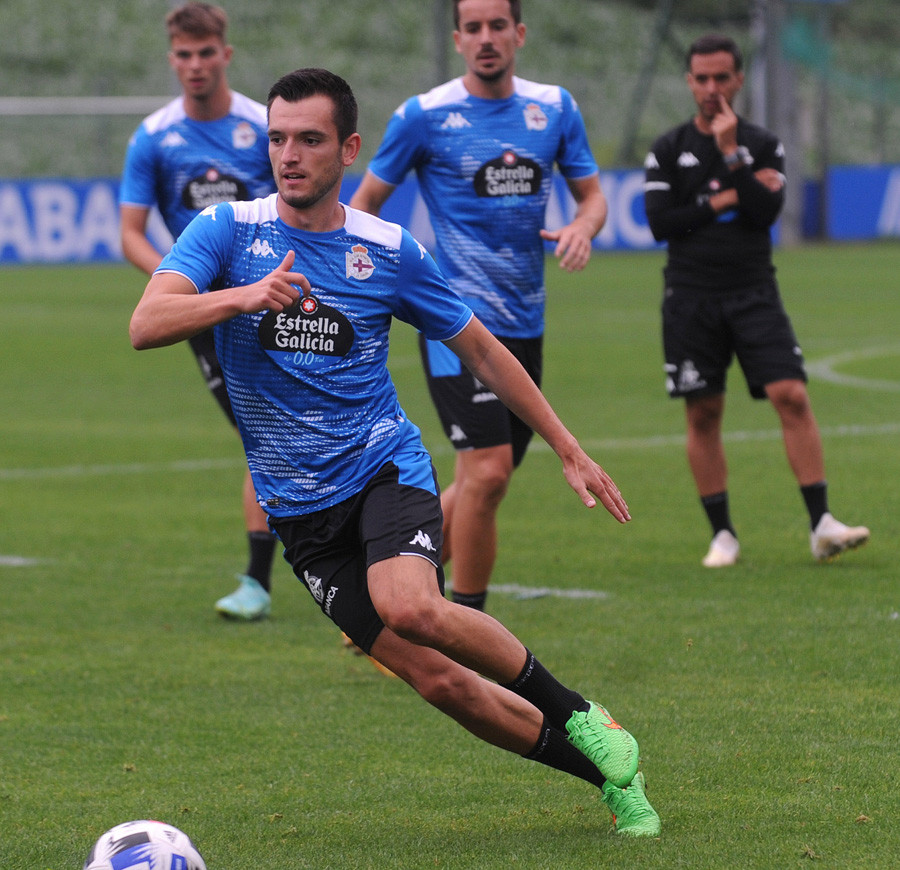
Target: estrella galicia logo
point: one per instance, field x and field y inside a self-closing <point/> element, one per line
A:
<point x="509" y="175"/>
<point x="308" y="326"/>
<point x="211" y="188"/>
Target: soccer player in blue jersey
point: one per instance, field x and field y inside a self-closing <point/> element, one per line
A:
<point x="301" y="291"/>
<point x="483" y="147"/>
<point x="207" y="146"/>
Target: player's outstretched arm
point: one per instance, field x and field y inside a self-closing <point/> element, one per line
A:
<point x="172" y="310"/>
<point x="496" y="367"/>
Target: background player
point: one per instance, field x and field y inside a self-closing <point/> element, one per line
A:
<point x="714" y="187"/>
<point x="483" y="147"/>
<point x="208" y="145"/>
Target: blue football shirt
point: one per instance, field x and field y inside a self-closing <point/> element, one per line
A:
<point x="314" y="401"/>
<point x="182" y="166"/>
<point x="484" y="167"/>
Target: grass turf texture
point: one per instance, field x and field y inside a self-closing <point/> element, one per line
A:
<point x="764" y="696"/>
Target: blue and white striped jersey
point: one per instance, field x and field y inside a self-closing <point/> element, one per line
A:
<point x="484" y="168"/>
<point x="182" y="166"/>
<point x="315" y="404"/>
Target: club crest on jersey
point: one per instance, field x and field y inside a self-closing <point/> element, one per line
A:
<point x="359" y="264"/>
<point x="535" y="119"/>
<point x="243" y="136"/>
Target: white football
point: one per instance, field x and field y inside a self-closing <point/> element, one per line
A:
<point x="144" y="845"/>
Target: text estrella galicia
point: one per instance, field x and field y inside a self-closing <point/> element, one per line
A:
<point x="308" y="326"/>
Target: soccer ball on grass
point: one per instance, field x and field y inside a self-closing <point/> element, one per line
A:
<point x="144" y="845"/>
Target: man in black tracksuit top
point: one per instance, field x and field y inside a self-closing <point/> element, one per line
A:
<point x="714" y="187"/>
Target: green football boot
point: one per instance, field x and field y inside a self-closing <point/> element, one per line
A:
<point x="612" y="749"/>
<point x="632" y="814"/>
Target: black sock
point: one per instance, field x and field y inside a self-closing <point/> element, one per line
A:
<point x="554" y="750"/>
<point x="816" y="497"/>
<point x="262" y="549"/>
<point x="537" y="685"/>
<point x="475" y="600"/>
<point x="716" y="507"/>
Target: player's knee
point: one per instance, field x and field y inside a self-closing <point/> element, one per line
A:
<point x="704" y="416"/>
<point x="415" y="620"/>
<point x="488" y="483"/>
<point x="790" y="398"/>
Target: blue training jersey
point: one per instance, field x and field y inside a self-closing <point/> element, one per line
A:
<point x="314" y="401"/>
<point x="182" y="166"/>
<point x="484" y="167"/>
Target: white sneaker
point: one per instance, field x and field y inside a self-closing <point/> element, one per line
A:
<point x="724" y="550"/>
<point x="831" y="537"/>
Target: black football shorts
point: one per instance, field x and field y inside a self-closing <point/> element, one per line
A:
<point x="330" y="550"/>
<point x="471" y="415"/>
<point x="204" y="347"/>
<point x="704" y="331"/>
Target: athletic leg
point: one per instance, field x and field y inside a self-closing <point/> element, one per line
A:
<point x="800" y="431"/>
<point x="470" y="508"/>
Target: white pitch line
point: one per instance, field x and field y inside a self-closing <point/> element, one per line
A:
<point x="180" y="465"/>
<point x="524" y="593"/>
<point x="824" y="369"/>
<point x="187" y="466"/>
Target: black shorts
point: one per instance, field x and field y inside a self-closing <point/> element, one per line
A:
<point x="704" y="331"/>
<point x="204" y="347"/>
<point x="472" y="416"/>
<point x="330" y="550"/>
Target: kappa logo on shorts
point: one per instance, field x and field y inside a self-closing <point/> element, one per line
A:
<point x="424" y="541"/>
<point x="314" y="584"/>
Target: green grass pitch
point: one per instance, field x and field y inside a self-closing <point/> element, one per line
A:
<point x="765" y="697"/>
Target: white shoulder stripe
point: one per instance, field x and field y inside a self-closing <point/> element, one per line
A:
<point x="256" y="211"/>
<point x="170" y="113"/>
<point x="367" y="226"/>
<point x="244" y="107"/>
<point x="450" y="92"/>
<point x="536" y="91"/>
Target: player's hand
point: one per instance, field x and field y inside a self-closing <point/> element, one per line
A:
<point x="277" y="291"/>
<point x="724" y="127"/>
<point x="770" y="178"/>
<point x="588" y="479"/>
<point x="573" y="246"/>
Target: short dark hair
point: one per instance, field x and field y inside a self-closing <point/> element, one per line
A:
<point x="515" y="7"/>
<point x="303" y="83"/>
<point x="713" y="42"/>
<point x="198" y="20"/>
